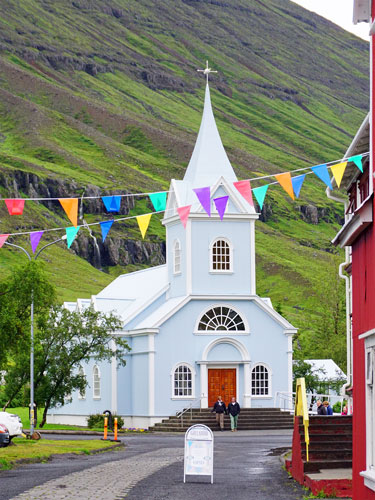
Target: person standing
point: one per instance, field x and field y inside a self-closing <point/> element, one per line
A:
<point x="321" y="410"/>
<point x="233" y="410"/>
<point x="328" y="407"/>
<point x="219" y="409"/>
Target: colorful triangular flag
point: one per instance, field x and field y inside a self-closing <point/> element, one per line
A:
<point x="105" y="227"/>
<point x="285" y="182"/>
<point x="70" y="205"/>
<point x="221" y="205"/>
<point x="297" y="184"/>
<point x="322" y="172"/>
<point x="159" y="200"/>
<point x="112" y="203"/>
<point x="357" y="159"/>
<point x="71" y="233"/>
<point x="143" y="222"/>
<point x="184" y="212"/>
<point x="260" y="194"/>
<point x="244" y="188"/>
<point x="15" y="206"/>
<point x="204" y="197"/>
<point x="3" y="238"/>
<point x="338" y="172"/>
<point x="34" y="239"/>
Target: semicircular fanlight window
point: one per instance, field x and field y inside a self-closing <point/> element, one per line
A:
<point x="221" y="318"/>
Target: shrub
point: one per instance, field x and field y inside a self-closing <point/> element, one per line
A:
<point x="337" y="406"/>
<point x="97" y="421"/>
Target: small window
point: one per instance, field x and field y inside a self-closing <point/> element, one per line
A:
<point x="221" y="318"/>
<point x="177" y="257"/>
<point x="183" y="383"/>
<point x="221" y="256"/>
<point x="96" y="382"/>
<point x="260" y="384"/>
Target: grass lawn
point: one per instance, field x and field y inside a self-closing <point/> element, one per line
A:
<point x="23" y="413"/>
<point x="41" y="450"/>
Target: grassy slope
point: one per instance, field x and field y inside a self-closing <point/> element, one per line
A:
<point x="290" y="92"/>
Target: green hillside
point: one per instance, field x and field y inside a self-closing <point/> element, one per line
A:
<point x="101" y="97"/>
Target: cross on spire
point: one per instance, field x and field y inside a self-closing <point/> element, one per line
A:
<point x="206" y="71"/>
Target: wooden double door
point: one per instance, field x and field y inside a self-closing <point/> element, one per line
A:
<point x="221" y="382"/>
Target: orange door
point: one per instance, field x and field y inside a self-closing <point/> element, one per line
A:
<point x="221" y="382"/>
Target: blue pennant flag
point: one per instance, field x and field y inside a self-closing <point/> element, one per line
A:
<point x="321" y="171"/>
<point x="297" y="183"/>
<point x="112" y="203"/>
<point x="105" y="227"/>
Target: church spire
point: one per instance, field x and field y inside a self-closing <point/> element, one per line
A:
<point x="209" y="160"/>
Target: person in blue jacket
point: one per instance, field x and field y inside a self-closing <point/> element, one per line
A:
<point x="328" y="407"/>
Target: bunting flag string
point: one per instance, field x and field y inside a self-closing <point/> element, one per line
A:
<point x="338" y="172"/>
<point x="285" y="182"/>
<point x="221" y="205"/>
<point x="112" y="203"/>
<point x="70" y="205"/>
<point x="321" y="171"/>
<point x="105" y="227"/>
<point x="3" y="238"/>
<point x="71" y="233"/>
<point x="35" y="239"/>
<point x="159" y="200"/>
<point x="244" y="188"/>
<point x="15" y="206"/>
<point x="297" y="184"/>
<point x="260" y="194"/>
<point x="143" y="222"/>
<point x="184" y="212"/>
<point x="204" y="197"/>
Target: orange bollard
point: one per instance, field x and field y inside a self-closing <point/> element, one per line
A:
<point x="115" y="436"/>
<point x="105" y="428"/>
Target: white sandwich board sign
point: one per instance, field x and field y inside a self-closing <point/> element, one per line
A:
<point x="199" y="452"/>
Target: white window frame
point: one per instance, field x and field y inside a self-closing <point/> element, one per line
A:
<point x="82" y="395"/>
<point x="261" y="396"/>
<point x="192" y="371"/>
<point x="369" y="473"/>
<point x="246" y="331"/>
<point x="177" y="254"/>
<point x="96" y="395"/>
<point x="221" y="271"/>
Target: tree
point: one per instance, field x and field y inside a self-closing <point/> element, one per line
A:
<point x="64" y="340"/>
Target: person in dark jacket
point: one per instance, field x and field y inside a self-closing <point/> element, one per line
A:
<point x="219" y="409"/>
<point x="233" y="410"/>
<point x="321" y="408"/>
<point x="328" y="408"/>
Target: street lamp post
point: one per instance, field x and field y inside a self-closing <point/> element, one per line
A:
<point x="32" y="328"/>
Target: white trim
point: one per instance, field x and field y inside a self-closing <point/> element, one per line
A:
<point x="114" y="379"/>
<point x="221" y="332"/>
<point x="211" y="266"/>
<point x="290" y="364"/>
<point x="252" y="259"/>
<point x="270" y="374"/>
<point x="188" y="258"/>
<point x="226" y="340"/>
<point x="96" y="368"/>
<point x="367" y="334"/>
<point x="151" y="374"/>
<point x="141" y="332"/>
<point x="192" y="370"/>
<point x="288" y="328"/>
<point x="214" y="217"/>
<point x="146" y="304"/>
<point x="369" y="473"/>
<point x="176" y="243"/>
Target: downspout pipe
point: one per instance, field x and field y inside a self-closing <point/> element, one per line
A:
<point x="348" y="301"/>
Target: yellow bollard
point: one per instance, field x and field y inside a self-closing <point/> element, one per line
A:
<point x="115" y="436"/>
<point x="105" y="428"/>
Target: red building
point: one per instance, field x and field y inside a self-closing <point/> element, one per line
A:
<point x="358" y="237"/>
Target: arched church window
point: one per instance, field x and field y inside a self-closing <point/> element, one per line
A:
<point x="81" y="394"/>
<point x="260" y="381"/>
<point x="176" y="257"/>
<point x="183" y="381"/>
<point x="221" y="256"/>
<point x="96" y="382"/>
<point x="221" y="318"/>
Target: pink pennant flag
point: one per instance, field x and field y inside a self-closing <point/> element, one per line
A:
<point x="184" y="212"/>
<point x="244" y="188"/>
<point x="221" y="205"/>
<point x="3" y="238"/>
<point x="204" y="196"/>
<point x="15" y="206"/>
<point x="34" y="239"/>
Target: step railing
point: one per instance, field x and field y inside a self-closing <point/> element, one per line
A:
<point x="286" y="401"/>
<point x="194" y="404"/>
<point x="300" y="410"/>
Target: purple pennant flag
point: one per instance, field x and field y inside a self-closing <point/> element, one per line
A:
<point x="221" y="205"/>
<point x="204" y="196"/>
<point x="34" y="239"/>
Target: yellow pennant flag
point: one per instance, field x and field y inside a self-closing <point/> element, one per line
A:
<point x="285" y="182"/>
<point x="70" y="205"/>
<point x="338" y="172"/>
<point x="143" y="222"/>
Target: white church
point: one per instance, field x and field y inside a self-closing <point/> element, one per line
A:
<point x="196" y="326"/>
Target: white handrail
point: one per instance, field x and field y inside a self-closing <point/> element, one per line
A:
<point x="180" y="414"/>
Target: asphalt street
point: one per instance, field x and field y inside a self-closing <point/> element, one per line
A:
<point x="246" y="465"/>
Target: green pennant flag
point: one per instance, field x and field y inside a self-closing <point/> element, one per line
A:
<point x="357" y="159"/>
<point x="159" y="200"/>
<point x="260" y="194"/>
<point x="71" y="233"/>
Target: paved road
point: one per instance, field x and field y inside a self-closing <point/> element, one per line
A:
<point x="151" y="467"/>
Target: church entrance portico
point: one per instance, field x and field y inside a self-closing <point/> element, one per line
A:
<point x="221" y="382"/>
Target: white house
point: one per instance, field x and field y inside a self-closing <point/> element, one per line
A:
<point x="196" y="326"/>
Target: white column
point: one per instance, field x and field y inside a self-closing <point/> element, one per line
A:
<point x="204" y="385"/>
<point x="151" y="374"/>
<point x="252" y="258"/>
<point x="246" y="385"/>
<point x="290" y="367"/>
<point x="114" y="379"/>
<point x="189" y="277"/>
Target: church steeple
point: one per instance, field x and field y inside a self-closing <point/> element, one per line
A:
<point x="209" y="160"/>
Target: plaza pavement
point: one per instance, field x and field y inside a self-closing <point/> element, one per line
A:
<point x="246" y="466"/>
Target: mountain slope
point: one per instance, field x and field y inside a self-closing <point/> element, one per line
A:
<point x="103" y="96"/>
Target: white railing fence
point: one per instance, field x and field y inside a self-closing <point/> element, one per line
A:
<point x="286" y="400"/>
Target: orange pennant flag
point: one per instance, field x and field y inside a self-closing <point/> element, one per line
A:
<point x="70" y="205"/>
<point x="338" y="172"/>
<point x="285" y="182"/>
